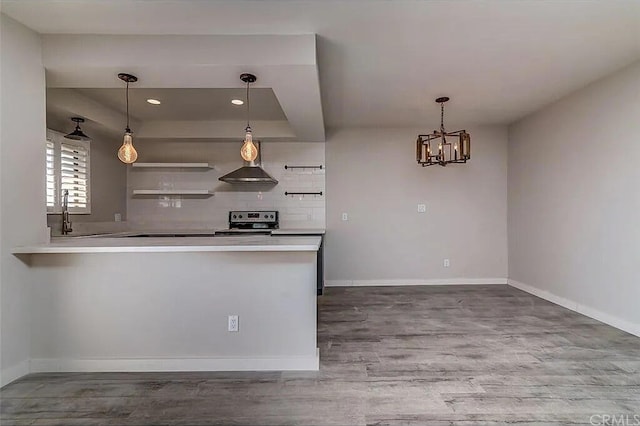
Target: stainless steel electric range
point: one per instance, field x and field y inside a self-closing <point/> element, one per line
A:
<point x="251" y="223"/>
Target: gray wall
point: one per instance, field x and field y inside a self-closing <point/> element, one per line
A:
<point x="108" y="175"/>
<point x="373" y="176"/>
<point x="574" y="235"/>
<point x="22" y="184"/>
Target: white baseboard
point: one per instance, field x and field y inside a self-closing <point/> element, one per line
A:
<point x="50" y="365"/>
<point x="611" y="320"/>
<point x="400" y="282"/>
<point x="8" y="375"/>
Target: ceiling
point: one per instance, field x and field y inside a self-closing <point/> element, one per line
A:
<point x="382" y="63"/>
<point x="188" y="104"/>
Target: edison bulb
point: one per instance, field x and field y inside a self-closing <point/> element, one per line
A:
<point x="127" y="153"/>
<point x="249" y="151"/>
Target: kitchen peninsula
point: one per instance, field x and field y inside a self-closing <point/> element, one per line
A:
<point x="163" y="304"/>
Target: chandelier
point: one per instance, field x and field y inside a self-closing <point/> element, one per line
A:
<point x="434" y="148"/>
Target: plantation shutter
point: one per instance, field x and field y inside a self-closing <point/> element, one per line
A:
<point x="51" y="176"/>
<point x="74" y="174"/>
<point x="68" y="168"/>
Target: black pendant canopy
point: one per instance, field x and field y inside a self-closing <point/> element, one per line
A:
<point x="78" y="134"/>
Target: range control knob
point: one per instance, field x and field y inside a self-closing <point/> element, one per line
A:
<point x="240" y="216"/>
<point x="266" y="216"/>
<point x="271" y="216"/>
<point x="234" y="216"/>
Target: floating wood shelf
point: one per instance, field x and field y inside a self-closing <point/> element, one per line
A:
<point x="174" y="165"/>
<point x="191" y="192"/>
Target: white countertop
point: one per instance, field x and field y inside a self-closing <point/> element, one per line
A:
<point x="199" y="232"/>
<point x="98" y="244"/>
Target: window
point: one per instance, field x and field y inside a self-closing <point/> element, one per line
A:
<point x="68" y="169"/>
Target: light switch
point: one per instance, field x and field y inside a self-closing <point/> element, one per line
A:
<point x="422" y="208"/>
<point x="345" y="216"/>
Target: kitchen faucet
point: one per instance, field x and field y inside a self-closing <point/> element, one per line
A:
<point x="66" y="222"/>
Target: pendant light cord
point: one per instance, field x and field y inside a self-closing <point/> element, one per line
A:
<point x="248" y="105"/>
<point x="127" y="95"/>
<point x="442" y="117"/>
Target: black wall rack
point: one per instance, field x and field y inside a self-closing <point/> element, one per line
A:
<point x="287" y="167"/>
<point x="303" y="193"/>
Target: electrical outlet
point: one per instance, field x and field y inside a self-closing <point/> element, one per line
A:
<point x="446" y="263"/>
<point x="233" y="323"/>
<point x="345" y="216"/>
<point x="117" y="217"/>
<point x="422" y="208"/>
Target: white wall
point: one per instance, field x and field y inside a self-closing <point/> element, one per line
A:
<point x="574" y="235"/>
<point x="166" y="311"/>
<point x="197" y="213"/>
<point x="22" y="207"/>
<point x="373" y="176"/>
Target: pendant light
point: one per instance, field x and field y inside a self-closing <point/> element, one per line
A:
<point x="127" y="153"/>
<point x="78" y="134"/>
<point x="458" y="151"/>
<point x="249" y="150"/>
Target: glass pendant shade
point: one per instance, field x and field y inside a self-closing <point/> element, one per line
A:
<point x="465" y="145"/>
<point x="127" y="153"/>
<point x="249" y="151"/>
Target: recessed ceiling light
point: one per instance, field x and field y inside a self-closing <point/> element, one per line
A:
<point x="154" y="101"/>
<point x="237" y="101"/>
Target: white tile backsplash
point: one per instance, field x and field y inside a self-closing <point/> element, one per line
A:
<point x="178" y="212"/>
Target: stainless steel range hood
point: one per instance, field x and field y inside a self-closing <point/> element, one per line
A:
<point x="248" y="174"/>
<point x="251" y="172"/>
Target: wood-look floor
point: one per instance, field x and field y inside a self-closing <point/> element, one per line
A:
<point x="389" y="355"/>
